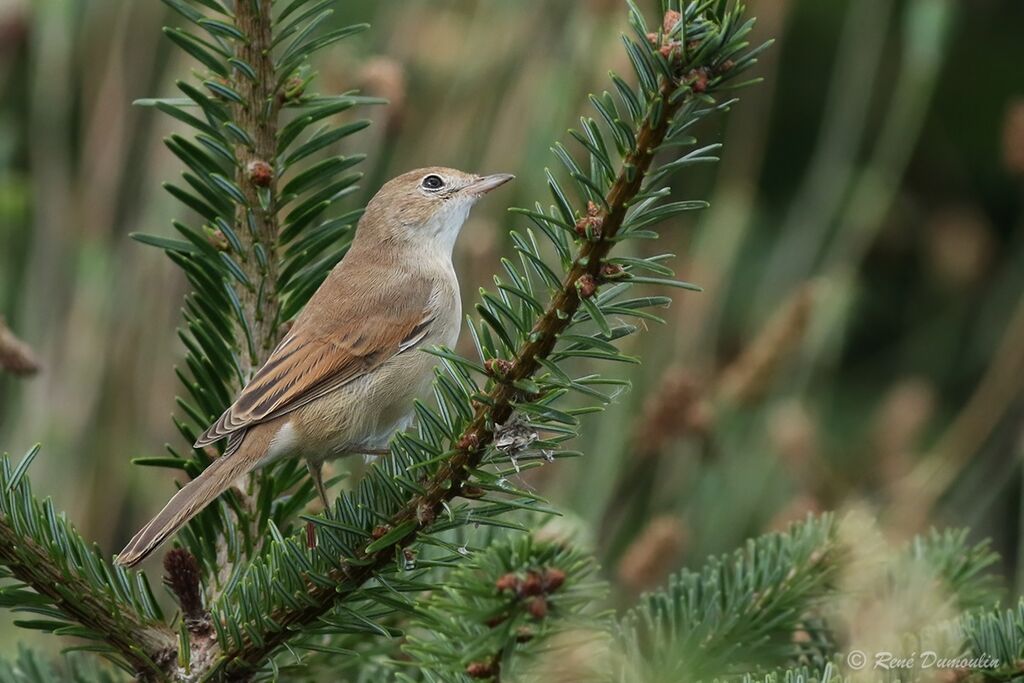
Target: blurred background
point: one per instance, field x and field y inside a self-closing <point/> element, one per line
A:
<point x="860" y="339"/>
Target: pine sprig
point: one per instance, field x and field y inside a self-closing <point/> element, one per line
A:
<point x="67" y="587"/>
<point x="737" y="614"/>
<point x="995" y="637"/>
<point x="776" y="604"/>
<point x="503" y="607"/>
<point x="498" y="413"/>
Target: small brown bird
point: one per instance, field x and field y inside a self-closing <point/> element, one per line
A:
<point x="343" y="379"/>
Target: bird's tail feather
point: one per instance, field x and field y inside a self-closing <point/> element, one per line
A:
<point x="187" y="503"/>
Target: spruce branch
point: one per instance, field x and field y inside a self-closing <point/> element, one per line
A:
<point x="738" y="613"/>
<point x="503" y="608"/>
<point x="781" y="600"/>
<point x="256" y="221"/>
<point x="71" y="588"/>
<point x="412" y="495"/>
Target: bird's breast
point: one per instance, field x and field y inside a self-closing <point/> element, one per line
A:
<point x="446" y="305"/>
<point x="368" y="410"/>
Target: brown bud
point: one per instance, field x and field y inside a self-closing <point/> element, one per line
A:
<point x="480" y="670"/>
<point x="468" y="442"/>
<point x="671" y="50"/>
<point x="611" y="271"/>
<point x="260" y="173"/>
<point x="380" y="530"/>
<point x="293" y="89"/>
<point x="726" y="66"/>
<point x="182" y="576"/>
<point x="425" y="514"/>
<point x="553" y="579"/>
<point x="507" y="582"/>
<point x="532" y="585"/>
<point x="591" y="221"/>
<point x="472" y="492"/>
<point x="218" y="240"/>
<point x="652" y="38"/>
<point x="498" y="367"/>
<point x="537" y="607"/>
<point x="586" y="285"/>
<point x="697" y="79"/>
<point x="670" y="21"/>
<point x="524" y="634"/>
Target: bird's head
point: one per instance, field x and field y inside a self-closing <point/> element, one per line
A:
<point x="426" y="207"/>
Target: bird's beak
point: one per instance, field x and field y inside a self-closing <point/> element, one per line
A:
<point x="483" y="185"/>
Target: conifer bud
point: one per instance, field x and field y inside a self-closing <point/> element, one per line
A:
<point x="586" y="286"/>
<point x="260" y="173"/>
<point x="697" y="79"/>
<point x="182" y="577"/>
<point x="218" y="240"/>
<point x="498" y="367"/>
<point x="538" y="607"/>
<point x="480" y="670"/>
<point x="507" y="582"/>
<point x="553" y="579"/>
<point x="670" y="21"/>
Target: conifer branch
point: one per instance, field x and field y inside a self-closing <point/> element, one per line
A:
<point x="146" y="646"/>
<point x="256" y="220"/>
<point x="679" y="67"/>
<point x="73" y="589"/>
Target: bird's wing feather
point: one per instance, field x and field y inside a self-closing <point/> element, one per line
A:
<point x="324" y="355"/>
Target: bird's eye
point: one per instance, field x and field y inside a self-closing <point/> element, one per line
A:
<point x="433" y="182"/>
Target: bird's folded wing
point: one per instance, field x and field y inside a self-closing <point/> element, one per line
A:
<point x="310" y="363"/>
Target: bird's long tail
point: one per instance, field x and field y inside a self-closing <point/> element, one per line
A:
<point x="189" y="501"/>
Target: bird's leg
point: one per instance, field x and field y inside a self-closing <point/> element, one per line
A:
<point x="316" y="472"/>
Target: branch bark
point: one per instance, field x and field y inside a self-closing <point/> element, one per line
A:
<point x="256" y="221"/>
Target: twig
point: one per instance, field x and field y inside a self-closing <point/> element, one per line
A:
<point x="256" y="176"/>
<point x="16" y="357"/>
<point x="149" y="647"/>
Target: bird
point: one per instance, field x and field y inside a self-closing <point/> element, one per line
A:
<point x="343" y="379"/>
